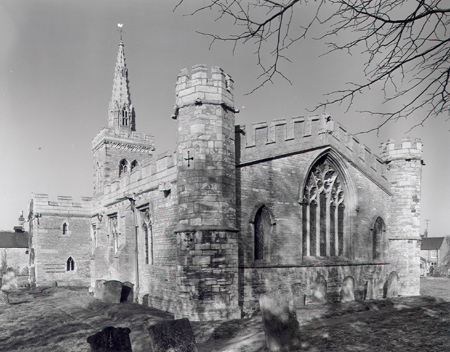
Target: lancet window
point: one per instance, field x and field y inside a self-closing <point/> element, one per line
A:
<point x="377" y="235"/>
<point x="323" y="211"/>
<point x="262" y="228"/>
<point x="134" y="165"/>
<point x="123" y="167"/>
<point x="148" y="235"/>
<point x="70" y="264"/>
<point x="114" y="231"/>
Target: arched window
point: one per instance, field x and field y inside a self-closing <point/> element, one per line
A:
<point x="65" y="228"/>
<point x="148" y="235"/>
<point x="262" y="231"/>
<point x="378" y="239"/>
<point x="123" y="167"/>
<point x="323" y="211"/>
<point x="70" y="264"/>
<point x="134" y="165"/>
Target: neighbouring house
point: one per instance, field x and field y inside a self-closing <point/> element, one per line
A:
<point x="14" y="252"/>
<point x="434" y="251"/>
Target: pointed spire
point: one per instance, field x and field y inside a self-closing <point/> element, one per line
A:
<point x="121" y="111"/>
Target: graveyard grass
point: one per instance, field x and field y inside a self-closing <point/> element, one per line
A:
<point x="61" y="319"/>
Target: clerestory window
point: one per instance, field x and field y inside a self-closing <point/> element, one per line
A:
<point x="323" y="211"/>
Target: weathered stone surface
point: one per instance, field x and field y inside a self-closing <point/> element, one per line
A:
<point x="112" y="291"/>
<point x="319" y="294"/>
<point x="111" y="339"/>
<point x="9" y="281"/>
<point x="99" y="288"/>
<point x="371" y="289"/>
<point x="281" y="327"/>
<point x="348" y="289"/>
<point x="391" y="285"/>
<point x="3" y="298"/>
<point x="173" y="336"/>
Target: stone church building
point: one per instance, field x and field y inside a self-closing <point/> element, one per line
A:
<point x="297" y="205"/>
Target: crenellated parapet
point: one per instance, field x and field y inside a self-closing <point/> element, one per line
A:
<point x="64" y="205"/>
<point x="132" y="141"/>
<point x="266" y="140"/>
<point x="196" y="88"/>
<point x="406" y="150"/>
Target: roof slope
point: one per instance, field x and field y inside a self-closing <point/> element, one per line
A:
<point x="430" y="243"/>
<point x="10" y="239"/>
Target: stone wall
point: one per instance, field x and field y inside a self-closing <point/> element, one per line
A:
<point x="53" y="243"/>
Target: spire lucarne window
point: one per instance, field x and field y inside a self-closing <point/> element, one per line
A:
<point x="323" y="211"/>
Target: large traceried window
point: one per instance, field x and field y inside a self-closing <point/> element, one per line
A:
<point x="323" y="211"/>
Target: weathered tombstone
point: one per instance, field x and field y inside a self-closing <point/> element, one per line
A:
<point x="348" y="289"/>
<point x="280" y="323"/>
<point x="127" y="292"/>
<point x="172" y="336"/>
<point x="319" y="294"/>
<point x="111" y="339"/>
<point x="9" y="281"/>
<point x="99" y="288"/>
<point x="371" y="289"/>
<point x="391" y="286"/>
<point x="298" y="295"/>
<point x="112" y="291"/>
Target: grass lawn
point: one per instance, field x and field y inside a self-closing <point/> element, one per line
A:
<point x="61" y="319"/>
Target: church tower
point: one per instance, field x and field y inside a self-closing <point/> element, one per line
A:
<point x="118" y="149"/>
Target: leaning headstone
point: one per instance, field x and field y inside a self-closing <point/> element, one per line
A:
<point x="319" y="294"/>
<point x="172" y="336"/>
<point x="371" y="289"/>
<point x="392" y="285"/>
<point x="280" y="323"/>
<point x="9" y="281"/>
<point x="99" y="288"/>
<point x="111" y="339"/>
<point x="348" y="289"/>
<point x="112" y="291"/>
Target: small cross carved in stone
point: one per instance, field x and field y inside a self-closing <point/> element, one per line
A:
<point x="189" y="158"/>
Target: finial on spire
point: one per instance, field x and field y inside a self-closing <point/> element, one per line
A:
<point x="120" y="25"/>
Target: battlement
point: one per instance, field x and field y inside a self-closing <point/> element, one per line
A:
<point x="280" y="137"/>
<point x="42" y="204"/>
<point x="407" y="149"/>
<point x="197" y="88"/>
<point x="108" y="135"/>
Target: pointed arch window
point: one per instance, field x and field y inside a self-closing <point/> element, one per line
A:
<point x="378" y="239"/>
<point x="148" y="235"/>
<point x="65" y="228"/>
<point x="323" y="211"/>
<point x="123" y="167"/>
<point x="262" y="232"/>
<point x="134" y="165"/>
<point x="70" y="264"/>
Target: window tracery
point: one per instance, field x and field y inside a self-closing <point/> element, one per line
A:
<point x="323" y="211"/>
<point x="70" y="264"/>
<point x="123" y="167"/>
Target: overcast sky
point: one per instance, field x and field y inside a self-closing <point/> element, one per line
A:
<point x="56" y="71"/>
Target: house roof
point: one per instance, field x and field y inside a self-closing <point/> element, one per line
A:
<point x="10" y="239"/>
<point x="430" y="243"/>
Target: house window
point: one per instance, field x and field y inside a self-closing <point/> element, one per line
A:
<point x="123" y="167"/>
<point x="148" y="235"/>
<point x="70" y="264"/>
<point x="64" y="228"/>
<point x="262" y="230"/>
<point x="113" y="231"/>
<point x="323" y="212"/>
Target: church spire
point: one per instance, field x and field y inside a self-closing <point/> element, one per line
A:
<point x="121" y="112"/>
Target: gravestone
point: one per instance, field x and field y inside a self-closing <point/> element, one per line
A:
<point x="371" y="289"/>
<point x="348" y="289"/>
<point x="111" y="339"/>
<point x="9" y="281"/>
<point x="99" y="288"/>
<point x="319" y="294"/>
<point x="172" y="336"/>
<point x="391" y="286"/>
<point x="280" y="323"/>
<point x="112" y="291"/>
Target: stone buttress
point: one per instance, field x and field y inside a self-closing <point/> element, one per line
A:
<point x="405" y="169"/>
<point x="207" y="275"/>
